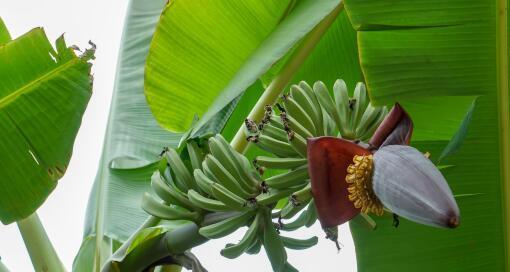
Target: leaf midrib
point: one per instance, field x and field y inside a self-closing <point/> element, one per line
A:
<point x="28" y="87"/>
<point x="504" y="118"/>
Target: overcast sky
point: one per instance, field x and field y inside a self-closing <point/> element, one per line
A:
<point x="63" y="213"/>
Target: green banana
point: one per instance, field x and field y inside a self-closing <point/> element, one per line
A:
<point x="273" y="245"/>
<point x="160" y="210"/>
<point x="342" y="101"/>
<point x="223" y="176"/>
<point x="322" y="94"/>
<point x="203" y="182"/>
<point x="276" y="122"/>
<point x="312" y="214"/>
<point x="184" y="180"/>
<point x="227" y="197"/>
<point x="369" y="117"/>
<point x="196" y="155"/>
<point x="295" y="126"/>
<point x="290" y="209"/>
<point x="206" y="203"/>
<point x="305" y="218"/>
<point x="170" y="194"/>
<point x="226" y="160"/>
<point x="274" y="132"/>
<point x="226" y="226"/>
<point x="372" y="127"/>
<point x="299" y="144"/>
<point x="330" y="128"/>
<point x="254" y="247"/>
<point x="302" y="196"/>
<point x="280" y="163"/>
<point x="299" y="244"/>
<point x="241" y="164"/>
<point x="294" y="177"/>
<point x="279" y="148"/>
<point x="234" y="251"/>
<point x="297" y="112"/>
<point x="296" y="224"/>
<point x="305" y="101"/>
<point x="289" y="268"/>
<point x="360" y="104"/>
<point x="273" y="195"/>
<point x="309" y="91"/>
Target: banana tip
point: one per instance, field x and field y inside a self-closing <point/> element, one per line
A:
<point x="453" y="221"/>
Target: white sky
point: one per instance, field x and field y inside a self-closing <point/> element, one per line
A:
<point x="63" y="213"/>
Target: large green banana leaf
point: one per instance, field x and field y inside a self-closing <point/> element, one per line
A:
<point x="206" y="53"/>
<point x="43" y="94"/>
<point x="132" y="144"/>
<point x="434" y="56"/>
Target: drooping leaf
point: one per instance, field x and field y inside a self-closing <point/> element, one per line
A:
<point x="439" y="55"/>
<point x="43" y="94"/>
<point x="4" y="33"/>
<point x="206" y="53"/>
<point x="132" y="144"/>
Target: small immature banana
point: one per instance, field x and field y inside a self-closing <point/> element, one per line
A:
<point x="206" y="203"/>
<point x="291" y="209"/>
<point x="306" y="218"/>
<point x="273" y="195"/>
<point x="298" y="143"/>
<point x="203" y="182"/>
<point x="227" y="226"/>
<point x="254" y="247"/>
<point x="372" y="127"/>
<point x="360" y="104"/>
<point x="369" y="117"/>
<point x="169" y="193"/>
<point x="276" y="122"/>
<point x="160" y="210"/>
<point x="342" y="102"/>
<point x="306" y="102"/>
<point x="184" y="180"/>
<point x="312" y="214"/>
<point x="293" y="125"/>
<point x="215" y="170"/>
<point x="273" y="245"/>
<point x="297" y="112"/>
<point x="299" y="244"/>
<point x="280" y="163"/>
<point x="234" y="251"/>
<point x="279" y="148"/>
<point x="309" y="91"/>
<point x="322" y="93"/>
<point x="195" y="154"/>
<point x="296" y="177"/>
<point x="302" y="196"/>
<point x="240" y="162"/>
<point x="274" y="132"/>
<point x="228" y="198"/>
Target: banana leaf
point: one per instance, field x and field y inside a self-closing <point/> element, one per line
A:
<point x="206" y="53"/>
<point x="133" y="141"/>
<point x="43" y="94"/>
<point x="436" y="57"/>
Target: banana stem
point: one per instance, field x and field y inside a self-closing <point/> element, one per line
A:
<point x="276" y="87"/>
<point x="39" y="247"/>
<point x="3" y="268"/>
<point x="151" y="251"/>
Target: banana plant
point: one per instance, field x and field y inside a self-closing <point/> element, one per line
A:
<point x="409" y="52"/>
<point x="43" y="94"/>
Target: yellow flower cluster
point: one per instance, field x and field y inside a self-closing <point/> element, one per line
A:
<point x="359" y="177"/>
